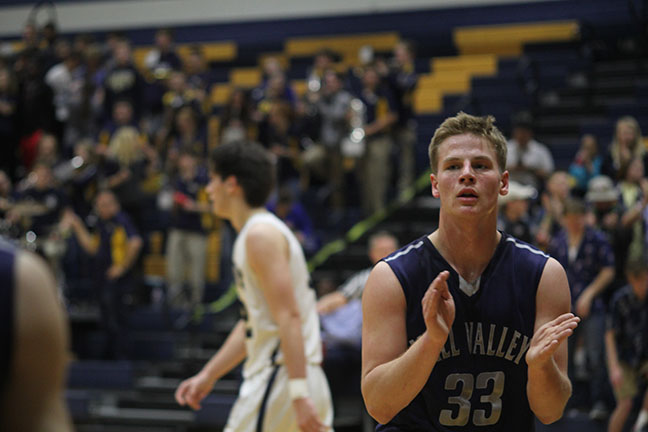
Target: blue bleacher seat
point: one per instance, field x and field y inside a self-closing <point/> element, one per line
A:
<point x="100" y="375"/>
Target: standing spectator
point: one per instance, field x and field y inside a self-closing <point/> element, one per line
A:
<point x="294" y="215"/>
<point x="586" y="164"/>
<point x="324" y="158"/>
<point x="67" y="80"/>
<point x="626" y="145"/>
<point x="528" y="161"/>
<point x="403" y="79"/>
<point x="116" y="245"/>
<point x="553" y="204"/>
<point x="187" y="240"/>
<point x="625" y="341"/>
<point x="187" y="135"/>
<point x="381" y="114"/>
<point x="634" y="196"/>
<point x="123" y="81"/>
<point x="587" y="257"/>
<point x="162" y="59"/>
<point x="235" y="122"/>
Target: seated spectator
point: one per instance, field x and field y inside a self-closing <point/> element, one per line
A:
<point x="529" y="162"/>
<point x="514" y="217"/>
<point x="625" y="341"/>
<point x="279" y="137"/>
<point x="162" y="59"/>
<point x="380" y="245"/>
<point x="586" y="164"/>
<point x="187" y="135"/>
<point x="291" y="211"/>
<point x="115" y="244"/>
<point x="187" y="240"/>
<point x="123" y="81"/>
<point x="122" y="115"/>
<point x="626" y="145"/>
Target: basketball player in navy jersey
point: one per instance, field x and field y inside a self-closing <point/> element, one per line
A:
<point x="466" y="328"/>
<point x="33" y="345"/>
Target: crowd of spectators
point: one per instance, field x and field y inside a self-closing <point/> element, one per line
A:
<point x="97" y="153"/>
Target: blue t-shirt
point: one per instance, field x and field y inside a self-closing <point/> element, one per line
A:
<point x="195" y="190"/>
<point x="7" y="264"/>
<point x="479" y="381"/>
<point x="628" y="319"/>
<point x="594" y="253"/>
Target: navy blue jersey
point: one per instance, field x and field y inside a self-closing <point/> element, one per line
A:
<point x="7" y="264"/>
<point x="479" y="380"/>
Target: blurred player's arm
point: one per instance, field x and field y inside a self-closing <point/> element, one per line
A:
<point x="35" y="401"/>
<point x="193" y="390"/>
<point x="548" y="387"/>
<point x="268" y="255"/>
<point x="392" y="373"/>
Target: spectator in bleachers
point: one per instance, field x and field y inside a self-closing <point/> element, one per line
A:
<point x="123" y="80"/>
<point x="197" y="76"/>
<point x="162" y="59"/>
<point x="514" y="217"/>
<point x="279" y="137"/>
<point x="122" y="116"/>
<point x="292" y="212"/>
<point x="634" y="196"/>
<point x="34" y="109"/>
<point x="124" y="168"/>
<point x="403" y="79"/>
<point x="552" y="201"/>
<point x="322" y="62"/>
<point x="41" y="202"/>
<point x="324" y="158"/>
<point x="8" y="139"/>
<point x="587" y="257"/>
<point x="605" y="213"/>
<point x="187" y="135"/>
<point x="528" y="161"/>
<point x="381" y="115"/>
<point x="276" y="89"/>
<point x="626" y="145"/>
<point x="235" y="120"/>
<point x="116" y="244"/>
<point x="83" y="185"/>
<point x="67" y="80"/>
<point x="625" y="340"/>
<point x="187" y="240"/>
<point x="586" y="164"/>
<point x="379" y="246"/>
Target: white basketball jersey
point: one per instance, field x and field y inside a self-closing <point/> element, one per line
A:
<point x="262" y="332"/>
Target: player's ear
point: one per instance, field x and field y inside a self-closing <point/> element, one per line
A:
<point x="435" y="185"/>
<point x="504" y="183"/>
<point x="230" y="183"/>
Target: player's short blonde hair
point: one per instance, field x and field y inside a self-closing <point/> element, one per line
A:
<point x="462" y="123"/>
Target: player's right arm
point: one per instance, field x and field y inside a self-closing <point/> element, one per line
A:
<point x="392" y="373"/>
<point x="193" y="390"/>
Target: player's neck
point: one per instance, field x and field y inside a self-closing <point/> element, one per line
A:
<point x="241" y="213"/>
<point x="468" y="247"/>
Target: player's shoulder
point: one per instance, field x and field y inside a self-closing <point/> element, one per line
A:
<point x="522" y="250"/>
<point x="409" y="252"/>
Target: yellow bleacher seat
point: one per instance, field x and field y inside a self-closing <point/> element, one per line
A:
<point x="245" y="77"/>
<point x="475" y="64"/>
<point x="508" y="39"/>
<point x="213" y="51"/>
<point x="344" y="45"/>
<point x="219" y="94"/>
<point x="427" y="101"/>
<point x="299" y="86"/>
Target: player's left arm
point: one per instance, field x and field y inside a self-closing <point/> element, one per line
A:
<point x="548" y="387"/>
<point x="269" y="258"/>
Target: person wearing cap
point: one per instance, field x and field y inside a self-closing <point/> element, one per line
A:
<point x="514" y="215"/>
<point x="528" y="161"/>
<point x="604" y="213"/>
<point x="586" y="255"/>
